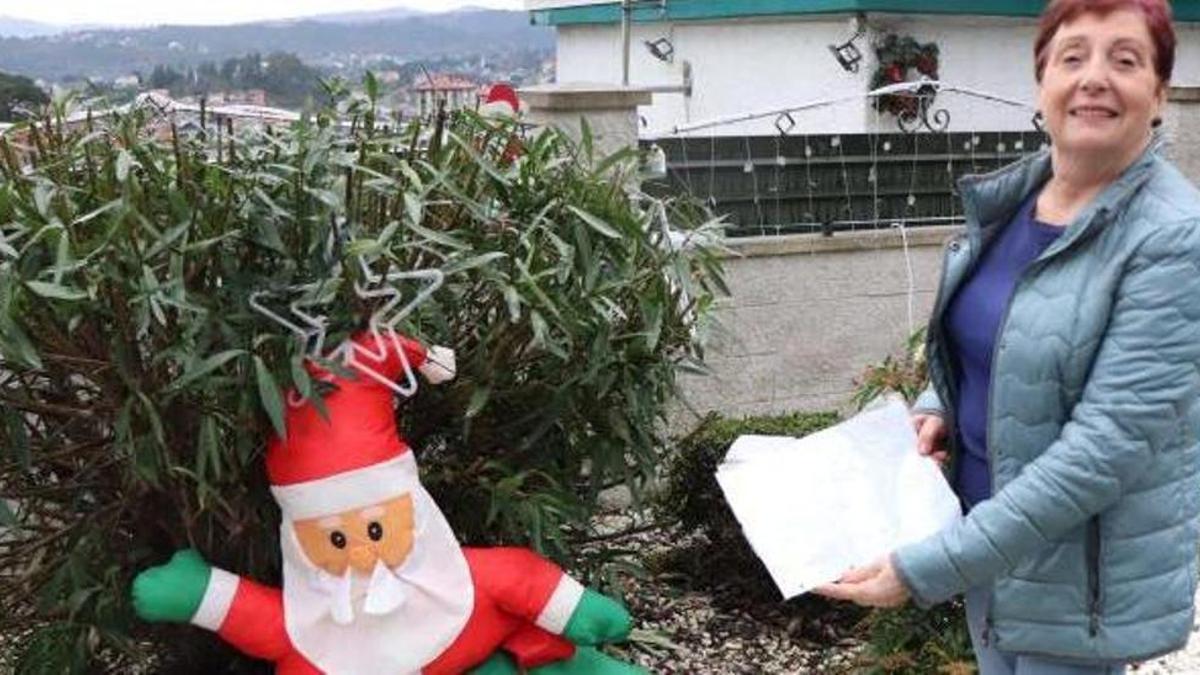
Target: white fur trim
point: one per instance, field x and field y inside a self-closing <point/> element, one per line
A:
<point x="349" y="490"/>
<point x="439" y="365"/>
<point x="218" y="597"/>
<point x="560" y="606"/>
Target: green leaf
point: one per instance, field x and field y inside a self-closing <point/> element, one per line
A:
<point x="595" y="223"/>
<point x="205" y="367"/>
<point x="56" y="291"/>
<point x="7" y="517"/>
<point x="304" y="385"/>
<point x="95" y="213"/>
<point x="471" y="263"/>
<point x="439" y="237"/>
<point x="15" y="345"/>
<point x="479" y="399"/>
<point x="270" y="397"/>
<point x="125" y="162"/>
<point x="18" y="437"/>
<point x="208" y="451"/>
<point x="512" y="299"/>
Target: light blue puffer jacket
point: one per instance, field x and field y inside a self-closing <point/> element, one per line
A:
<point x="1090" y="538"/>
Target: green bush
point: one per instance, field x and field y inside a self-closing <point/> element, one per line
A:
<point x="914" y="641"/>
<point x="905" y="374"/>
<point x="137" y="387"/>
<point x="693" y="496"/>
<point x="911" y="641"/>
<point x="907" y="641"/>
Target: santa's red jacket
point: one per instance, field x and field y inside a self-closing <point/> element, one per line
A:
<point x="512" y="588"/>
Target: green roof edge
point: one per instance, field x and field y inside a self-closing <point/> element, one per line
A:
<point x="695" y="10"/>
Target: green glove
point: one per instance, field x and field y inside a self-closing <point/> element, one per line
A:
<point x="597" y="619"/>
<point x="498" y="664"/>
<point x="589" y="661"/>
<point x="172" y="592"/>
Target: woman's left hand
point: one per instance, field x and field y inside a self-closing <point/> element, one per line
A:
<point x="876" y="585"/>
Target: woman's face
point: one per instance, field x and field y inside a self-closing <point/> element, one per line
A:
<point x="1099" y="91"/>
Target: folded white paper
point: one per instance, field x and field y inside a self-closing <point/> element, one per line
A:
<point x="813" y="507"/>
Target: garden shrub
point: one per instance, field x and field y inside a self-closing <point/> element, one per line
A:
<point x="692" y="496"/>
<point x="137" y="388"/>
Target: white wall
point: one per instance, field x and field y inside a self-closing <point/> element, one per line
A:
<point x="737" y="66"/>
<point x="755" y="65"/>
<point x="1187" y="56"/>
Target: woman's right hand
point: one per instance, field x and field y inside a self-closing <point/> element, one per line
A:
<point x="931" y="436"/>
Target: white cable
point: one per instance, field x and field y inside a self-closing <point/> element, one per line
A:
<point x="820" y="103"/>
<point x="912" y="282"/>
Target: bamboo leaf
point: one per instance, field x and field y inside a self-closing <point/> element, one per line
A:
<point x="56" y="291"/>
<point x="18" y="437"/>
<point x="208" y="451"/>
<point x="595" y="223"/>
<point x="15" y="345"/>
<point x="205" y="367"/>
<point x="304" y="384"/>
<point x="269" y="396"/>
<point x="479" y="399"/>
<point x="471" y="263"/>
<point x="125" y="163"/>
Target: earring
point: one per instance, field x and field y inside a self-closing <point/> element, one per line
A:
<point x="1039" y="121"/>
<point x="1156" y="122"/>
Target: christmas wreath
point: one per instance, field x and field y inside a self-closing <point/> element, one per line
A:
<point x="897" y="58"/>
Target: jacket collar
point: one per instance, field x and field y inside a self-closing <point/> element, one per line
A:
<point x="994" y="198"/>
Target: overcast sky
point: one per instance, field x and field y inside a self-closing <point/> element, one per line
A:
<point x="137" y="12"/>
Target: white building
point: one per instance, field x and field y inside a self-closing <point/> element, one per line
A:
<point x="454" y="91"/>
<point x="758" y="55"/>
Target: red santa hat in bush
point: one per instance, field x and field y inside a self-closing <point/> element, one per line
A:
<point x="500" y="100"/>
<point x="397" y="619"/>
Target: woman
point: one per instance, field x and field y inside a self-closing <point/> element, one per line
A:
<point x="1063" y="354"/>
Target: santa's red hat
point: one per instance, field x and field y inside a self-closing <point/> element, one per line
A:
<point x="501" y="100"/>
<point x="354" y="457"/>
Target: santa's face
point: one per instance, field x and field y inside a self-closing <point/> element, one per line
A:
<point x="359" y="538"/>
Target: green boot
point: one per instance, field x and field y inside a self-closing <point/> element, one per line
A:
<point x="172" y="592"/>
<point x="498" y="664"/>
<point x="597" y="619"/>
<point x="589" y="661"/>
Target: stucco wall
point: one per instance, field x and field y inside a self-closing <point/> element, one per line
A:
<point x="1182" y="130"/>
<point x="748" y="65"/>
<point x="808" y="314"/>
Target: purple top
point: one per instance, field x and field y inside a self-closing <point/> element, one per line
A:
<point x="972" y="323"/>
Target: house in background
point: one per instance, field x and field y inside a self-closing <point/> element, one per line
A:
<point x="457" y="91"/>
<point x="755" y="55"/>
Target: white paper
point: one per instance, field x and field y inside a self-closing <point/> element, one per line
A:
<point x="814" y="507"/>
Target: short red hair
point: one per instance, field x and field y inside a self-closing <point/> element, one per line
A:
<point x="1157" y="14"/>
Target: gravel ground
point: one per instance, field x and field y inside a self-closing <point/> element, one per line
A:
<point x="685" y="629"/>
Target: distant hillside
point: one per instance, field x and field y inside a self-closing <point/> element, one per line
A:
<point x="365" y="16"/>
<point x="109" y="53"/>
<point x="22" y="28"/>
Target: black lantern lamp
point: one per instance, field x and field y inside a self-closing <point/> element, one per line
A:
<point x="848" y="55"/>
<point x="662" y="49"/>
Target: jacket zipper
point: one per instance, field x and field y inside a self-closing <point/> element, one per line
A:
<point x="935" y="350"/>
<point x="1092" y="553"/>
<point x="999" y="344"/>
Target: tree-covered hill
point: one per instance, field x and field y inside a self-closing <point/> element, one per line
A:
<point x="114" y="52"/>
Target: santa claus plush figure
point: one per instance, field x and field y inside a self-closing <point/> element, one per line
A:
<point x="374" y="580"/>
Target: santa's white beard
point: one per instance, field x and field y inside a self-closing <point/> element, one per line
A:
<point x="395" y="620"/>
<point x="381" y="593"/>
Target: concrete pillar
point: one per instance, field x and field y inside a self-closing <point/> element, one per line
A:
<point x="1182" y="130"/>
<point x="610" y="111"/>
